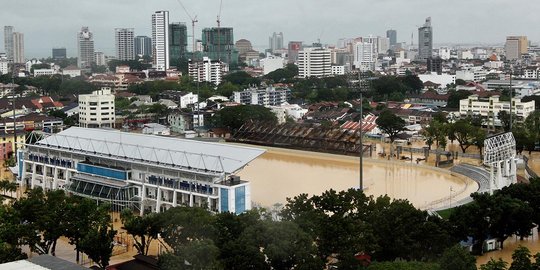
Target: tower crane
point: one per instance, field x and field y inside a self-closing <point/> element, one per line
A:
<point x="219" y="29"/>
<point x="193" y="21"/>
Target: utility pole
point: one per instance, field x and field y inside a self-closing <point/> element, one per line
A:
<point x="14" y="119"/>
<point x="511" y="96"/>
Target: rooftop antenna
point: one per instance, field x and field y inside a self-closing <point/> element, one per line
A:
<point x="193" y="21"/>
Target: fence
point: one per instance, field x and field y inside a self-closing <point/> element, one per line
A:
<point x="528" y="171"/>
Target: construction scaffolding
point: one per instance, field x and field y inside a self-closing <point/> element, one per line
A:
<point x="309" y="137"/>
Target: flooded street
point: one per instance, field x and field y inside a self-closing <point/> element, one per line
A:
<point x="281" y="173"/>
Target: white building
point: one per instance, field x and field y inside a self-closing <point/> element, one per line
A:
<point x="100" y="59"/>
<point x="383" y="45"/>
<point x="18" y="48"/>
<point x="272" y="63"/>
<point x="314" y="62"/>
<point x="28" y="65"/>
<point x="490" y="108"/>
<point x="364" y="56"/>
<point x="4" y="66"/>
<point x="475" y="74"/>
<point x="494" y="64"/>
<point x="85" y="48"/>
<point x="444" y="53"/>
<point x="71" y="71"/>
<point x="160" y="39"/>
<point x="265" y="97"/>
<point x="466" y="55"/>
<point x="156" y="129"/>
<point x="206" y="70"/>
<point x="44" y="72"/>
<point x="96" y="110"/>
<point x="140" y="172"/>
<point x="125" y="47"/>
<point x="338" y="70"/>
<point x="188" y="99"/>
<point x="443" y="79"/>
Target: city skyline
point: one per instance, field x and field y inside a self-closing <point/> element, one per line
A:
<point x="259" y="19"/>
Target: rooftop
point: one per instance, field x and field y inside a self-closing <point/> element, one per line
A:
<point x="154" y="149"/>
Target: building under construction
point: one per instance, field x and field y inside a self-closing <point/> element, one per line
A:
<point x="310" y="137"/>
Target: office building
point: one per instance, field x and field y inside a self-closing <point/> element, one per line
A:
<point x="18" y="48"/>
<point x="269" y="96"/>
<point x="314" y="62"/>
<point x="59" y="53"/>
<point x="124" y="39"/>
<point x="143" y="46"/>
<point x="219" y="44"/>
<point x="392" y="36"/>
<point x="8" y="42"/>
<point x="425" y="41"/>
<point x="515" y="47"/>
<point x="177" y="43"/>
<point x="146" y="173"/>
<point x="96" y="110"/>
<point x="160" y="40"/>
<point x="272" y="63"/>
<point x="294" y="49"/>
<point x="364" y="56"/>
<point x="206" y="70"/>
<point x="435" y="64"/>
<point x="85" y="48"/>
<point x="276" y="42"/>
<point x="99" y="59"/>
<point x="489" y="108"/>
<point x="383" y="45"/>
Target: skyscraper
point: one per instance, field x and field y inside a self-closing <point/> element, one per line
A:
<point x="18" y="48"/>
<point x="8" y="42"/>
<point x="85" y="48"/>
<point x="143" y="45"/>
<point x="218" y="44"/>
<point x="160" y="39"/>
<point x="177" y="42"/>
<point x="124" y="44"/>
<point x="314" y="62"/>
<point x="425" y="41"/>
<point x="392" y="35"/>
<point x="293" y="50"/>
<point x="515" y="47"/>
<point x="59" y="53"/>
<point x="276" y="41"/>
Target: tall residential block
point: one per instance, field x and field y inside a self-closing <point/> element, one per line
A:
<point x="85" y="48"/>
<point x="314" y="62"/>
<point x="218" y="44"/>
<point x="8" y="42"/>
<point x="425" y="41"/>
<point x="18" y="48"/>
<point x="276" y="41"/>
<point x="206" y="70"/>
<point x="59" y="53"/>
<point x="392" y="35"/>
<point x="124" y="44"/>
<point x="364" y="56"/>
<point x="177" y="42"/>
<point x="293" y="50"/>
<point x="515" y="47"/>
<point x="160" y="39"/>
<point x="143" y="46"/>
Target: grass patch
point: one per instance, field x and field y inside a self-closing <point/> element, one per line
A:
<point x="446" y="213"/>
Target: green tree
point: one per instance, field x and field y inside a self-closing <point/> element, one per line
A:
<point x="144" y="229"/>
<point x="457" y="258"/>
<point x="504" y="116"/>
<point x="454" y="98"/>
<point x="390" y="124"/>
<point x="98" y="244"/>
<point x="227" y="88"/>
<point x="493" y="264"/>
<point x="241" y="78"/>
<point x="521" y="259"/>
<point x="234" y="117"/>
<point x="464" y="132"/>
<point x="403" y="265"/>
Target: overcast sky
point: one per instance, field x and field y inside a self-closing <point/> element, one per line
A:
<point x="55" y="23"/>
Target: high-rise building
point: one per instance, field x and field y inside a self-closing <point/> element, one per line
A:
<point x="392" y="35"/>
<point x="515" y="47"/>
<point x="59" y="53"/>
<point x="364" y="56"/>
<point x="160" y="39"/>
<point x="143" y="46"/>
<point x="85" y="47"/>
<point x="293" y="50"/>
<point x="276" y="41"/>
<point x="383" y="45"/>
<point x="96" y="110"/>
<point x="206" y="70"/>
<point x="8" y="42"/>
<point x="314" y="62"/>
<point x="99" y="59"/>
<point x="425" y="41"/>
<point x="18" y="48"/>
<point x="435" y="64"/>
<point x="218" y="43"/>
<point x="177" y="42"/>
<point x="124" y="44"/>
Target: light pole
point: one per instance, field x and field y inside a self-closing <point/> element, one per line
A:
<point x="361" y="167"/>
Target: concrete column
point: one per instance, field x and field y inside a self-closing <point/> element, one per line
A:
<point x="55" y="178"/>
<point x="34" y="172"/>
<point x="158" y="200"/>
<point x="143" y="197"/>
<point x="175" y="197"/>
<point x="23" y="174"/>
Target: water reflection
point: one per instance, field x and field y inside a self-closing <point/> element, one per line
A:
<point x="281" y="173"/>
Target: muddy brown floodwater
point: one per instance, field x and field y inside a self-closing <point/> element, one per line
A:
<point x="281" y="173"/>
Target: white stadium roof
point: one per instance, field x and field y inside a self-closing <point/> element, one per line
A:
<point x="155" y="149"/>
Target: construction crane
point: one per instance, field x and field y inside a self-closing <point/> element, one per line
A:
<point x="193" y="21"/>
<point x="219" y="29"/>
